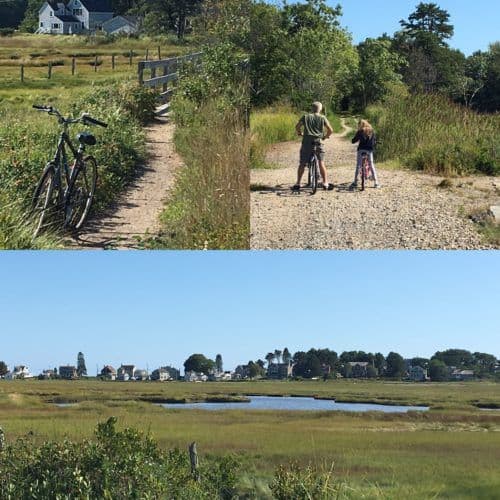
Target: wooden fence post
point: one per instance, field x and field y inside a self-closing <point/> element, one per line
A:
<point x="159" y="53"/>
<point x="165" y="85"/>
<point x="112" y="61"/>
<point x="147" y="54"/>
<point x="73" y="65"/>
<point x="193" y="457"/>
<point x="49" y="71"/>
<point x="22" y="73"/>
<point x="130" y="58"/>
<point x="95" y="64"/>
<point x="140" y="72"/>
<point x="2" y="439"/>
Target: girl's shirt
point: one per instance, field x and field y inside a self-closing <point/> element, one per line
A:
<point x="365" y="143"/>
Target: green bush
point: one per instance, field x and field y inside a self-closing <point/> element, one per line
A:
<point x="430" y="133"/>
<point x="116" y="464"/>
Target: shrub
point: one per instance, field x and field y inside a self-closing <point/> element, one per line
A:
<point x="116" y="464"/>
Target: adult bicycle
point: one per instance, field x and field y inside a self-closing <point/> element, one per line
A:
<point x="65" y="192"/>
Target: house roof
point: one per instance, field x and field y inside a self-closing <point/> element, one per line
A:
<point x="97" y="5"/>
<point x="68" y="19"/>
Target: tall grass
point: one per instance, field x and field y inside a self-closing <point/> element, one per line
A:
<point x="209" y="207"/>
<point x="430" y="133"/>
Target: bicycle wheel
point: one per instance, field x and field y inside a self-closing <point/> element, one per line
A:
<point x="314" y="172"/>
<point x="45" y="207"/>
<point x="81" y="193"/>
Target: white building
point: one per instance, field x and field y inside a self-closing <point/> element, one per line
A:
<point x="122" y="25"/>
<point x="73" y="17"/>
<point x="20" y="371"/>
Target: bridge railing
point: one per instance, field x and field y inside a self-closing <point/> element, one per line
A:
<point x="164" y="72"/>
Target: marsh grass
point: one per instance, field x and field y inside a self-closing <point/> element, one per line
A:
<point x="432" y="134"/>
<point x="415" y="455"/>
<point x="209" y="206"/>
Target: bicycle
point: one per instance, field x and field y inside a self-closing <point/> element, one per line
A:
<point x="313" y="169"/>
<point x="64" y="193"/>
<point x="365" y="169"/>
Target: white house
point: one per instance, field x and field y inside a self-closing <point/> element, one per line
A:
<point x="20" y="371"/>
<point x="74" y="16"/>
<point x="122" y="25"/>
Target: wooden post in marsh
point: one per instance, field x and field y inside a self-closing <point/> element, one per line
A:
<point x="73" y="65"/>
<point x="22" y="73"/>
<point x="95" y="64"/>
<point x="113" y="62"/>
<point x="49" y="71"/>
<point x="2" y="440"/>
<point x="193" y="457"/>
<point x="164" y="88"/>
<point x="147" y="54"/>
<point x="140" y="72"/>
<point x="130" y="58"/>
<point x="159" y="53"/>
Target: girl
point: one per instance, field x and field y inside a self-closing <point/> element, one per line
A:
<point x="367" y="140"/>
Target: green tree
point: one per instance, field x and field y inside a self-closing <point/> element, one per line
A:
<point x="379" y="362"/>
<point x="438" y="371"/>
<point x="255" y="370"/>
<point x="30" y="20"/>
<point x="395" y="365"/>
<point x="198" y="363"/>
<point x="422" y="362"/>
<point x="277" y="355"/>
<point x="428" y="20"/>
<point x="378" y="70"/>
<point x="81" y="369"/>
<point x="459" y="358"/>
<point x="371" y="372"/>
<point x="12" y="13"/>
<point x="3" y="368"/>
<point x="269" y="358"/>
<point x="218" y="363"/>
<point x="286" y="355"/>
<point x="489" y="97"/>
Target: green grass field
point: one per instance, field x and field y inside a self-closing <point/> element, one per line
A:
<point x="34" y="52"/>
<point x="451" y="451"/>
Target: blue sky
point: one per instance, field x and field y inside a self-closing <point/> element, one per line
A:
<point x="157" y="308"/>
<point x="476" y="23"/>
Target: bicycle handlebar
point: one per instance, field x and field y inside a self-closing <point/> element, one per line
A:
<point x="85" y="118"/>
<point x="89" y="119"/>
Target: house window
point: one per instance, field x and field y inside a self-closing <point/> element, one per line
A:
<point x="83" y="25"/>
<point x="76" y="3"/>
<point x="41" y="25"/>
<point x="51" y="13"/>
<point x="55" y="26"/>
<point x="77" y="12"/>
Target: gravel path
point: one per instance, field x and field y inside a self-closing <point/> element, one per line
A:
<point x="136" y="212"/>
<point x="408" y="212"/>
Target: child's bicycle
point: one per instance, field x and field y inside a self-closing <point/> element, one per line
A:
<point x="64" y="193"/>
<point x="366" y="170"/>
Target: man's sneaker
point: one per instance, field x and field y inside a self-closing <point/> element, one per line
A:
<point x="328" y="187"/>
<point x="353" y="186"/>
<point x="377" y="185"/>
<point x="296" y="188"/>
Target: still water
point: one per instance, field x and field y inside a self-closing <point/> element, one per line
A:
<point x="295" y="404"/>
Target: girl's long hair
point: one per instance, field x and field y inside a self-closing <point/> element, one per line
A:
<point x="365" y="127"/>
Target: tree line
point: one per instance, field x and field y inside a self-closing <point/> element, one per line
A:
<point x="301" y="53"/>
<point x="317" y="363"/>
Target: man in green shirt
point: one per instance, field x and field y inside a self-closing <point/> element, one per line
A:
<point x="312" y="128"/>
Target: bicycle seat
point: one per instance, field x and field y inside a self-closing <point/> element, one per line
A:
<point x="86" y="138"/>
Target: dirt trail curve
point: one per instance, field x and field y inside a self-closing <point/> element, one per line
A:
<point x="408" y="212"/>
<point x="136" y="213"/>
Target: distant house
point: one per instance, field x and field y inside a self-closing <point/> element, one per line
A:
<point x="160" y="374"/>
<point x="140" y="374"/>
<point x="241" y="372"/>
<point x="417" y="374"/>
<point x="68" y="372"/>
<point x="195" y="377"/>
<point x="122" y="25"/>
<point x="47" y="374"/>
<point x="462" y="375"/>
<point x="126" y="372"/>
<point x="359" y="369"/>
<point x="73" y="17"/>
<point x="19" y="372"/>
<point x="108" y="372"/>
<point x="280" y="370"/>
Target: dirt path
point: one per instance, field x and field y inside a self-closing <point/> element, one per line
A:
<point x="136" y="212"/>
<point x="408" y="212"/>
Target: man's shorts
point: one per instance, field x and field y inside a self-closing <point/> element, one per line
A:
<point x="307" y="149"/>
